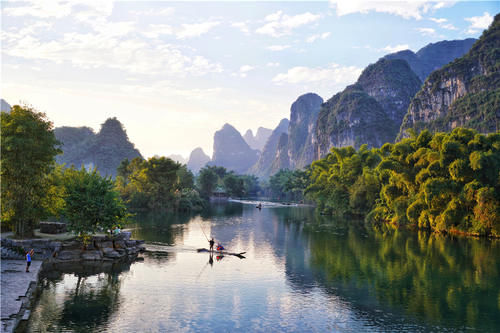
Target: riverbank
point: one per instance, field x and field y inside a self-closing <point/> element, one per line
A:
<point x="18" y="292"/>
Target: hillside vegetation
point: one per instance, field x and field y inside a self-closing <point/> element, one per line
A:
<point x="446" y="182"/>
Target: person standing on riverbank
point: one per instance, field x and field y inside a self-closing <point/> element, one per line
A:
<point x="211" y="242"/>
<point x="28" y="260"/>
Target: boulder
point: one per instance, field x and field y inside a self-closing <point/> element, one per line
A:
<point x="130" y="243"/>
<point x="120" y="244"/>
<point x="132" y="250"/>
<point x="126" y="235"/>
<point x="52" y="227"/>
<point x="110" y="253"/>
<point x="92" y="255"/>
<point x="105" y="244"/>
<point x="69" y="255"/>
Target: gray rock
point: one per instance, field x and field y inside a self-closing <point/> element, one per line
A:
<point x="110" y="253"/>
<point x="105" y="244"/>
<point x="52" y="227"/>
<point x="120" y="244"/>
<point x="92" y="255"/>
<point x="126" y="235"/>
<point x="130" y="243"/>
<point x="69" y="255"/>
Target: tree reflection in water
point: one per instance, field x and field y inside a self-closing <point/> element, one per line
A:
<point x="93" y="297"/>
<point x="439" y="279"/>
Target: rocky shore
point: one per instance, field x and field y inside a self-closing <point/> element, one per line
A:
<point x="99" y="248"/>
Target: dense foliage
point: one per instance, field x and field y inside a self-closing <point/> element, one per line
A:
<point x="234" y="185"/>
<point x="288" y="185"/>
<point x="91" y="201"/>
<point x="442" y="182"/>
<point x="158" y="183"/>
<point x="28" y="150"/>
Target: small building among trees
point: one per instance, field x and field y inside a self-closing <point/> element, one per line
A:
<point x="219" y="194"/>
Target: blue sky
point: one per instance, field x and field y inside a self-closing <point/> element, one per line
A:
<point x="174" y="72"/>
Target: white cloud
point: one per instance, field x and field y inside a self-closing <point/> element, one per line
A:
<point x="195" y="29"/>
<point x="427" y="31"/>
<point x="443" y="23"/>
<point x="246" y="68"/>
<point x="154" y="12"/>
<point x="396" y="48"/>
<point x="406" y="9"/>
<point x="42" y="9"/>
<point x="242" y="26"/>
<point x="278" y="47"/>
<point x="479" y="23"/>
<point x="438" y="20"/>
<point x="313" y="38"/>
<point x="156" y="30"/>
<point x="279" y="24"/>
<point x="184" y="32"/>
<point x="273" y="64"/>
<point x="332" y="73"/>
<point x="243" y="72"/>
<point x="325" y="81"/>
<point x="103" y="51"/>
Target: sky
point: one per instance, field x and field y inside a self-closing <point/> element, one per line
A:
<point x="175" y="72"/>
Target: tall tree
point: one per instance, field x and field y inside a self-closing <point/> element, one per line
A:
<point x="28" y="150"/>
<point x="207" y="180"/>
<point x="91" y="202"/>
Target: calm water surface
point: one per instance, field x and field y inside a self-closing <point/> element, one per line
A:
<point x="298" y="276"/>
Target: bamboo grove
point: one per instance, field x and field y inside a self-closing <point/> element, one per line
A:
<point x="447" y="182"/>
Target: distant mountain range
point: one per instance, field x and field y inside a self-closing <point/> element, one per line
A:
<point x="178" y="158"/>
<point x="464" y="93"/>
<point x="372" y="110"/>
<point x="442" y="86"/>
<point x="104" y="150"/>
<point x="259" y="140"/>
<point x="197" y="160"/>
<point x="4" y="106"/>
<point x="231" y="150"/>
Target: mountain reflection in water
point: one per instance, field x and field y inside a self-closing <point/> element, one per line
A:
<point x="302" y="272"/>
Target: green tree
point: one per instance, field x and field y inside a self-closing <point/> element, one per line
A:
<point x="251" y="185"/>
<point x="445" y="182"/>
<point x="185" y="178"/>
<point x="234" y="185"/>
<point x="91" y="202"/>
<point x="28" y="148"/>
<point x="207" y="180"/>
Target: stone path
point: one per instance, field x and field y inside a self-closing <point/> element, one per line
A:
<point x="15" y="285"/>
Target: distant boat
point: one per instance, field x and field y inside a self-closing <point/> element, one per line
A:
<point x="239" y="255"/>
<point x="259" y="206"/>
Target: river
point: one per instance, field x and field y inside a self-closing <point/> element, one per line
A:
<point x="301" y="273"/>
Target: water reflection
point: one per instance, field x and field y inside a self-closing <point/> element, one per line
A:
<point x="78" y="297"/>
<point x="160" y="227"/>
<point x="430" y="277"/>
<point x="302" y="272"/>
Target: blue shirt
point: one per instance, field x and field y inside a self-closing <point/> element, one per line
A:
<point x="28" y="257"/>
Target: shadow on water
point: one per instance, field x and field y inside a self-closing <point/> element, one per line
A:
<point x="224" y="209"/>
<point x="430" y="279"/>
<point x="160" y="227"/>
<point x="390" y="280"/>
<point x="92" y="296"/>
